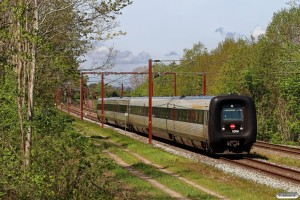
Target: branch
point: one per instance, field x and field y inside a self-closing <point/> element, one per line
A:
<point x="55" y="11"/>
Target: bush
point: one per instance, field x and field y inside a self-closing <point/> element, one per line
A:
<point x="64" y="164"/>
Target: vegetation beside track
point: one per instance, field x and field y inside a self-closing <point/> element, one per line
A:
<point x="212" y="179"/>
<point x="64" y="164"/>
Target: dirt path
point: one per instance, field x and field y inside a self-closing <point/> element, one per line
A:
<point x="160" y="168"/>
<point x="153" y="182"/>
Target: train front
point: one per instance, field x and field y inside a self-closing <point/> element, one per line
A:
<point x="232" y="125"/>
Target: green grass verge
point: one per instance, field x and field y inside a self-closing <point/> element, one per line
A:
<point x="207" y="176"/>
<point x="132" y="187"/>
<point x="166" y="179"/>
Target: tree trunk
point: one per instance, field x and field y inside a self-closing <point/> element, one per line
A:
<point x="21" y="94"/>
<point x="30" y="110"/>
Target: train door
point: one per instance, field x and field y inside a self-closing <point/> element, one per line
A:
<point x="174" y="118"/>
<point x="171" y="124"/>
<point x="205" y="125"/>
<point x="126" y="114"/>
<point x="145" y="115"/>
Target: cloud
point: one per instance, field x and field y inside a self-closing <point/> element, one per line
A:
<point x="172" y="53"/>
<point x="220" y="30"/>
<point x="258" y="30"/>
<point x="99" y="53"/>
<point x="127" y="57"/>
<point x="227" y="34"/>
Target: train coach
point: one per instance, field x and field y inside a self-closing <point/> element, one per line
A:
<point x="217" y="124"/>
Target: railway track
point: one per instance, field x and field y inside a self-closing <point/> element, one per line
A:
<point x="88" y="113"/>
<point x="274" y="170"/>
<point x="275" y="147"/>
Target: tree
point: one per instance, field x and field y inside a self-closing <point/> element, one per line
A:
<point x="283" y="34"/>
<point x="138" y="79"/>
<point x="40" y="35"/>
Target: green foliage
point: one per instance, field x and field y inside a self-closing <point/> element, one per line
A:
<point x="266" y="69"/>
<point x="64" y="164"/>
<point x="8" y="110"/>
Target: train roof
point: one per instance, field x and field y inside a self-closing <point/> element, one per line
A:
<point x="163" y="98"/>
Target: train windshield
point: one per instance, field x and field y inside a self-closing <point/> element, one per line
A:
<point x="232" y="113"/>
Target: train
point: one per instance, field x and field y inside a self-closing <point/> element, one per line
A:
<point x="217" y="124"/>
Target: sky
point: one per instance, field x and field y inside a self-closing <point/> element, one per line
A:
<point x="162" y="29"/>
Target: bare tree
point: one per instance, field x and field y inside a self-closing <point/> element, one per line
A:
<point x="138" y="79"/>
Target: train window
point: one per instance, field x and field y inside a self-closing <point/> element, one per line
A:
<point x="106" y="107"/>
<point x="198" y="117"/>
<point x="138" y="110"/>
<point x="173" y="113"/>
<point x="200" y="120"/>
<point x="182" y="115"/>
<point x="232" y="112"/>
<point x="160" y="112"/>
<point x="157" y="112"/>
<point x="122" y="108"/>
<point x="133" y="110"/>
<point x="192" y="116"/>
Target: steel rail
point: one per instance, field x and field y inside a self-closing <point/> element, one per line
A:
<point x="281" y="172"/>
<point x="276" y="147"/>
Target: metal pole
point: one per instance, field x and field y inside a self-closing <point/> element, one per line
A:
<point x="93" y="95"/>
<point x="122" y="95"/>
<point x="102" y="100"/>
<point x="150" y="91"/>
<point x="175" y="84"/>
<point x="81" y="97"/>
<point x="86" y="98"/>
<point x="83" y="94"/>
<point x="204" y="83"/>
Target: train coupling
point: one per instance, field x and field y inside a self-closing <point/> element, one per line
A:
<point x="233" y="143"/>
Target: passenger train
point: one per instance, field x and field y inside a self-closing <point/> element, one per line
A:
<point x="216" y="124"/>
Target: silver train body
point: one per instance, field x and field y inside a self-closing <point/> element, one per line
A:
<point x="217" y="124"/>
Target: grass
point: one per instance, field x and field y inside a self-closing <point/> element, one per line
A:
<point x="207" y="176"/>
<point x="173" y="183"/>
<point x="132" y="187"/>
<point x="166" y="179"/>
